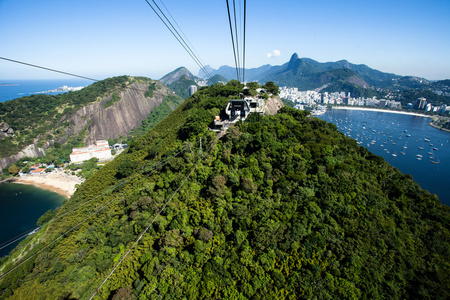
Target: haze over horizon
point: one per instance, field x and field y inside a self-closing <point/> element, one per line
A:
<point x="108" y="38"/>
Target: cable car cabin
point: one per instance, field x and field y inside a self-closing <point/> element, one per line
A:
<point x="238" y="110"/>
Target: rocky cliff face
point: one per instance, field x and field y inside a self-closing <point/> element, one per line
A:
<point x="30" y="151"/>
<point x="120" y="118"/>
<point x="5" y="130"/>
<point x="273" y="104"/>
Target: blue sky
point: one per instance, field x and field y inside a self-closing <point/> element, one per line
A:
<point x="104" y="38"/>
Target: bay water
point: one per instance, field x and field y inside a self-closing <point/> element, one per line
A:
<point x="405" y="141"/>
<point x="20" y="207"/>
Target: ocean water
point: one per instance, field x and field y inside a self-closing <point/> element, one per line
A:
<point x="399" y="139"/>
<point x="12" y="89"/>
<point x="20" y="208"/>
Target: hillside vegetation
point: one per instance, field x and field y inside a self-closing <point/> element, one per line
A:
<point x="281" y="207"/>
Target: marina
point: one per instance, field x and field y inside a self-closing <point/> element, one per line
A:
<point x="405" y="141"/>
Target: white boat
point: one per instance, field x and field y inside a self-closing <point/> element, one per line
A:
<point x="436" y="162"/>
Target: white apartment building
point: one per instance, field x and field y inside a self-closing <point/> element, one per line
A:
<point x="100" y="150"/>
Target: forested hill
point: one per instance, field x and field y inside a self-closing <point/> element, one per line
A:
<point x="281" y="207"/>
<point x="108" y="109"/>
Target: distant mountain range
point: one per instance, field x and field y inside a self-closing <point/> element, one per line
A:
<point x="308" y="74"/>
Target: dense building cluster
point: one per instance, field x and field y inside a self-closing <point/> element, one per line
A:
<point x="312" y="98"/>
<point x="423" y="104"/>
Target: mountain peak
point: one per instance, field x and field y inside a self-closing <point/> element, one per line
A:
<point x="294" y="58"/>
<point x="175" y="75"/>
<point x="293" y="62"/>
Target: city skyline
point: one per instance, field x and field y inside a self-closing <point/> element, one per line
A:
<point x="102" y="39"/>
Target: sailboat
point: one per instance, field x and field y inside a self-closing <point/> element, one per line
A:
<point x="436" y="162"/>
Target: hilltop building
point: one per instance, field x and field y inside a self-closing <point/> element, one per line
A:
<point x="100" y="150"/>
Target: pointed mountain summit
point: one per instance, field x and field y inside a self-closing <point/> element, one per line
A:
<point x="293" y="62"/>
<point x="176" y="75"/>
<point x="179" y="81"/>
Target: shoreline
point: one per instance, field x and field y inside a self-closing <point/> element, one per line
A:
<point x="381" y="110"/>
<point x="61" y="184"/>
<point x="437" y="127"/>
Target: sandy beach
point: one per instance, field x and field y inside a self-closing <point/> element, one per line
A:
<point x="382" y="110"/>
<point x="57" y="182"/>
